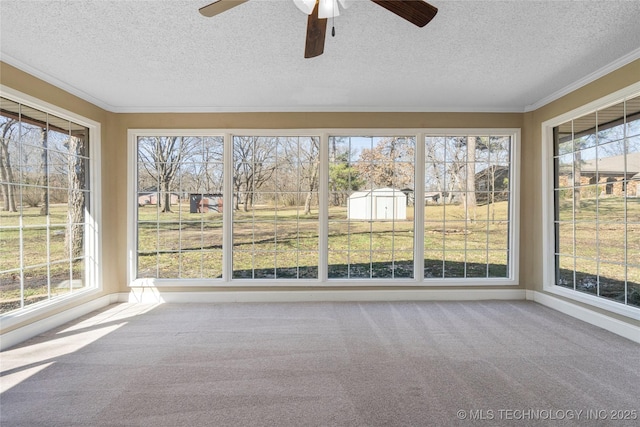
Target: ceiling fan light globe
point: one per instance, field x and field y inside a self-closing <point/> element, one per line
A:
<point x="328" y="9"/>
<point x="305" y="5"/>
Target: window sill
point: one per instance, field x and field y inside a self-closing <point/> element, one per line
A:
<point x="43" y="309"/>
<point x="595" y="301"/>
<point x="239" y="284"/>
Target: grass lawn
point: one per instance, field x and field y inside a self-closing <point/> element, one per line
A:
<point x="283" y="243"/>
<point x="595" y="246"/>
<point x="37" y="254"/>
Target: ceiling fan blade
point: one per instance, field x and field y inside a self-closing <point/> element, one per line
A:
<point x="418" y="12"/>
<point x="316" y="31"/>
<point x="219" y="6"/>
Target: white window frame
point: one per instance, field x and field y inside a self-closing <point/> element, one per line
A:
<point x="548" y="238"/>
<point x="514" y="208"/>
<point x="322" y="281"/>
<point x="93" y="243"/>
<point x="418" y="226"/>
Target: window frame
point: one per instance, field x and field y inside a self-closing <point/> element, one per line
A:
<point x="548" y="204"/>
<point x="133" y="186"/>
<point x="93" y="221"/>
<point x="322" y="281"/>
<point x="368" y="133"/>
<point x="514" y="208"/>
<point x="233" y="220"/>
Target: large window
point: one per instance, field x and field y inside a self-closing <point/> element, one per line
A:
<point x="275" y="207"/>
<point x="179" y="207"/>
<point x="596" y="219"/>
<point x="335" y="208"/>
<point x="467" y="206"/>
<point x="47" y="242"/>
<point x="371" y="194"/>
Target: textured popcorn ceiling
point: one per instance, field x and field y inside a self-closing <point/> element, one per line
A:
<point x="131" y="55"/>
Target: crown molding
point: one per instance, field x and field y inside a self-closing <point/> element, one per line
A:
<point x="8" y="59"/>
<point x="615" y="65"/>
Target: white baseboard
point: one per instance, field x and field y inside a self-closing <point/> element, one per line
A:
<point x="153" y="295"/>
<point x="150" y="295"/>
<point x="16" y="336"/>
<point x="592" y="317"/>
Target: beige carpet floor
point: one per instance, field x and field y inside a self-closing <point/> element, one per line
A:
<point x="323" y="364"/>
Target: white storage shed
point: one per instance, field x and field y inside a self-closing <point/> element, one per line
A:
<point x="377" y="204"/>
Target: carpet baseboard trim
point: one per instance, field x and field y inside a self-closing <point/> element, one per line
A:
<point x="153" y="295"/>
<point x="611" y="324"/>
<point x="156" y="295"/>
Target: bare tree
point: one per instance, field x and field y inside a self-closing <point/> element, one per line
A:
<point x="162" y="157"/>
<point x="8" y="129"/>
<point x="212" y="159"/>
<point x="308" y="169"/>
<point x="34" y="171"/>
<point x="470" y="187"/>
<point x="44" y="199"/>
<point x="254" y="164"/>
<point x="434" y="169"/>
<point x="451" y="169"/>
<point x="498" y="171"/>
<point x="74" y="239"/>
<point x="577" y="178"/>
<point x="455" y="163"/>
<point x="204" y="174"/>
<point x="578" y="145"/>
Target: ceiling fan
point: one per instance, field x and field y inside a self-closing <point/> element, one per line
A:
<point x="418" y="12"/>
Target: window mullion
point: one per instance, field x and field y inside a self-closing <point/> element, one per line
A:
<point x="323" y="208"/>
<point x="418" y="207"/>
<point x="227" y="208"/>
<point x="626" y="194"/>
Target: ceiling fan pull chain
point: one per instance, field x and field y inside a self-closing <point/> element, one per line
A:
<point x="333" y="20"/>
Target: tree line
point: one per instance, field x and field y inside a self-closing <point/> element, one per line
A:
<point x="285" y="170"/>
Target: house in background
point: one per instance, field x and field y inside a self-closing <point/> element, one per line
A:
<point x="204" y="203"/>
<point x="492" y="184"/>
<point x="151" y="198"/>
<point x="620" y="174"/>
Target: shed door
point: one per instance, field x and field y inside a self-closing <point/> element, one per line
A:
<point x="384" y="207"/>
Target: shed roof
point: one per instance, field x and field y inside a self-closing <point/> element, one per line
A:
<point x="385" y="191"/>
